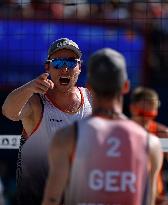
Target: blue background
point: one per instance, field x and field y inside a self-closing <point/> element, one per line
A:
<point x="24" y="45"/>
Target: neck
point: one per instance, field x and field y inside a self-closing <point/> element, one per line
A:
<point x="69" y="102"/>
<point x="110" y="107"/>
<point x="54" y="93"/>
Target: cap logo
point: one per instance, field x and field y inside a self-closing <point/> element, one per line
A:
<point x="71" y="43"/>
<point x="64" y="43"/>
<point x="60" y="44"/>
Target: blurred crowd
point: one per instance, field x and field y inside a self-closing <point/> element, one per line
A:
<point x="138" y="11"/>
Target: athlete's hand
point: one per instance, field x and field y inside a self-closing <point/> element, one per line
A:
<point x="41" y="84"/>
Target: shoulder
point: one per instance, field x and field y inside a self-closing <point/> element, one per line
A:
<point x="85" y="92"/>
<point x="154" y="141"/>
<point x="155" y="151"/>
<point x="134" y="127"/>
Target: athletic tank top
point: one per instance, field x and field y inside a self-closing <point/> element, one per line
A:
<point x="107" y="168"/>
<point x="34" y="152"/>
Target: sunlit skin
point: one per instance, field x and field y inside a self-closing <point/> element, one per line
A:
<point x="66" y="97"/>
<point x="64" y="72"/>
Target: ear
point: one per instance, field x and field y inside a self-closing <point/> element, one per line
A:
<point x="47" y="67"/>
<point x="88" y="86"/>
<point x="80" y="64"/>
<point x="126" y="87"/>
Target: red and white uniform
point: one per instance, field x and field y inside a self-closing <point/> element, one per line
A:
<point x="107" y="168"/>
<point x="32" y="168"/>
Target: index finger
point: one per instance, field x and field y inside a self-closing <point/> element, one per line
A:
<point x="44" y="76"/>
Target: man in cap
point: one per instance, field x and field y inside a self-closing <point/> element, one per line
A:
<point x="96" y="160"/>
<point x="44" y="105"/>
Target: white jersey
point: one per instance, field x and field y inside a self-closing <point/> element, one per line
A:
<point x="34" y="163"/>
<point x="54" y="119"/>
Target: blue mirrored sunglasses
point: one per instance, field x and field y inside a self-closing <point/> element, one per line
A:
<point x="59" y="63"/>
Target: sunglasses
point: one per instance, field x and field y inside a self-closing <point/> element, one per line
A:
<point x="59" y="63"/>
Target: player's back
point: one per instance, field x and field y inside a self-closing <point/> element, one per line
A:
<point x="110" y="163"/>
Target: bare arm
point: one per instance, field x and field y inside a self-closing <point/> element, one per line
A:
<point x="16" y="101"/>
<point x="156" y="160"/>
<point x="59" y="163"/>
<point x="162" y="131"/>
<point x="16" y="105"/>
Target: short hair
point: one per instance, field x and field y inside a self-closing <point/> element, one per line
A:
<point x="107" y="72"/>
<point x="143" y="93"/>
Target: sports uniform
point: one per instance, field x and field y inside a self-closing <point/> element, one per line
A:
<point x="107" y="168"/>
<point x="32" y="163"/>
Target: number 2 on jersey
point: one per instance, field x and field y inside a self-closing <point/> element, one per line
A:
<point x="113" y="151"/>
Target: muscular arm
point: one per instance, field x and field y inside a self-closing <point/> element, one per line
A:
<point x="59" y="165"/>
<point x="156" y="160"/>
<point x="17" y="106"/>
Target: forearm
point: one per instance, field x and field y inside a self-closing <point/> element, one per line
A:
<point x="16" y="101"/>
<point x="153" y="196"/>
<point x="50" y="196"/>
<point x="50" y="201"/>
<point x="54" y="189"/>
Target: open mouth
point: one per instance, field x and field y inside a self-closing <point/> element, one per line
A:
<point x="64" y="80"/>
